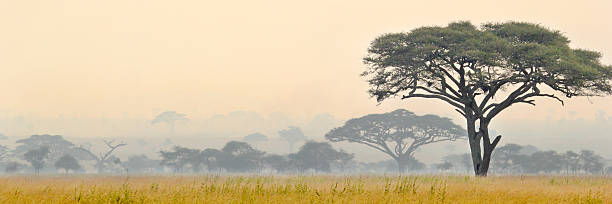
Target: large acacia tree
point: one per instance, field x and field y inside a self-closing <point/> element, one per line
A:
<point x="398" y="134"/>
<point x="481" y="71"/>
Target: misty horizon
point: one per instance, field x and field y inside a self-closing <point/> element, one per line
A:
<point x="216" y="130"/>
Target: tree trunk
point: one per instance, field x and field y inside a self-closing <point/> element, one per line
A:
<point x="99" y="168"/>
<point x="401" y="165"/>
<point x="486" y="160"/>
<point x="474" y="144"/>
<point x="481" y="157"/>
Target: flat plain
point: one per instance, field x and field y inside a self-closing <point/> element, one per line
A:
<point x="304" y="189"/>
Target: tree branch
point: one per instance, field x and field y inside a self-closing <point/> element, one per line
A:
<point x="416" y="95"/>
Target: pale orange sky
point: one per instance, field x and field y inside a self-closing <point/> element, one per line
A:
<point x="114" y="58"/>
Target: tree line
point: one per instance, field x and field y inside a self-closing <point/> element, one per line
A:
<point x="53" y="153"/>
<point x="519" y="159"/>
<point x="50" y="153"/>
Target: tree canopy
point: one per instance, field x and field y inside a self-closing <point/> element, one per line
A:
<point x="169" y="117"/>
<point x="255" y="138"/>
<point x="240" y="157"/>
<point x="67" y="162"/>
<point x="56" y="145"/>
<point x="318" y="156"/>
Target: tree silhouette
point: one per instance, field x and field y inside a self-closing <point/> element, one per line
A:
<point x="55" y="144"/>
<point x="12" y="167"/>
<point x="4" y="153"/>
<point x="170" y="118"/>
<point x="591" y="162"/>
<point x="279" y="163"/>
<point x="398" y="134"/>
<point x="67" y="162"/>
<point x="506" y="157"/>
<point x="37" y="157"/>
<point x="255" y="138"/>
<point x="318" y="156"/>
<point x="240" y="157"/>
<point x="292" y="135"/>
<point x="180" y="157"/>
<point x="140" y="163"/>
<point x="483" y="71"/>
<point x="103" y="159"/>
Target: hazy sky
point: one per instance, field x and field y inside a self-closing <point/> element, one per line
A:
<point x="135" y="58"/>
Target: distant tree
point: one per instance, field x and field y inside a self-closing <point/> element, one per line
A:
<point x="276" y="162"/>
<point x="115" y="165"/>
<point x="103" y="159"/>
<point x="4" y="153"/>
<point x="67" y="162"/>
<point x="344" y="160"/>
<point x="461" y="162"/>
<point x="3" y="137"/>
<point x="545" y="161"/>
<point x="240" y="157"/>
<point x="571" y="161"/>
<point x="506" y="157"/>
<point x="181" y="157"/>
<point x="55" y="144"/>
<point x="140" y="163"/>
<point x="170" y="118"/>
<point x="210" y="158"/>
<point x="37" y="157"/>
<point x="255" y="138"/>
<point x="591" y="162"/>
<point x="482" y="71"/>
<point x="444" y="166"/>
<point x="528" y="149"/>
<point x="292" y="135"/>
<point x="12" y="167"/>
<point x="398" y="134"/>
<point x="318" y="156"/>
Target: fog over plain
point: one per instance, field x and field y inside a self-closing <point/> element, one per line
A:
<point x="103" y="69"/>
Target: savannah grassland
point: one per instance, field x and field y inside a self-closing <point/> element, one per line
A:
<point x="305" y="189"/>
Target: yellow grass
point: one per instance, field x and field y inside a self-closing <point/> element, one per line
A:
<point x="305" y="189"/>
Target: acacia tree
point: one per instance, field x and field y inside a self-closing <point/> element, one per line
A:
<point x="67" y="162"/>
<point x="483" y="71"/>
<point x="180" y="157"/>
<point x="398" y="134"/>
<point x="170" y="118"/>
<point x="506" y="157"/>
<point x="103" y="159"/>
<point x="292" y="135"/>
<point x="56" y="144"/>
<point x="238" y="156"/>
<point x="37" y="157"/>
<point x="318" y="156"/>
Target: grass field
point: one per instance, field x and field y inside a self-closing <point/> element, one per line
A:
<point x="305" y="189"/>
